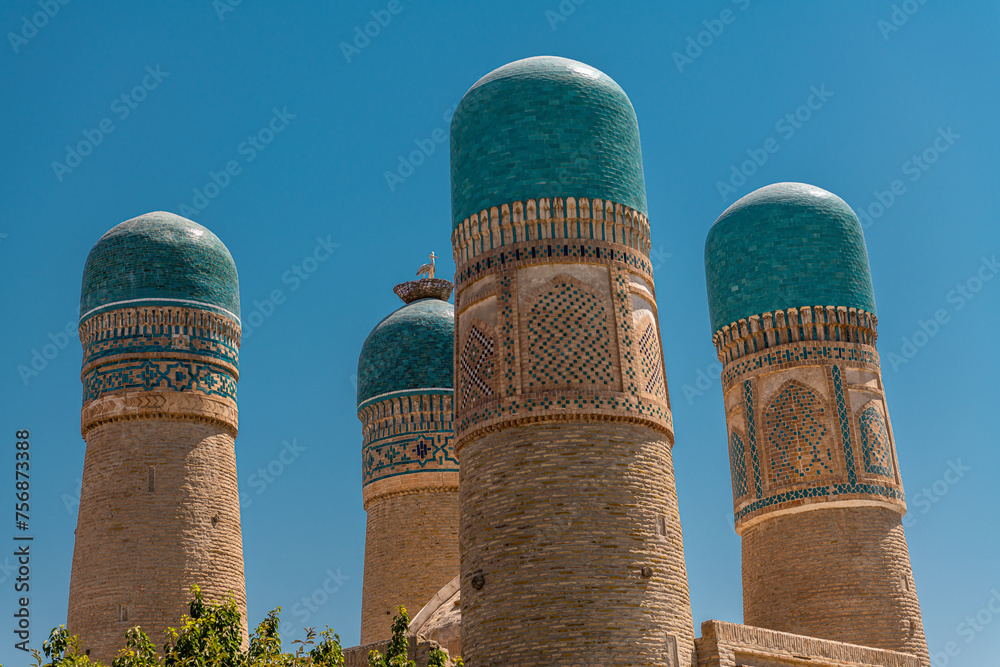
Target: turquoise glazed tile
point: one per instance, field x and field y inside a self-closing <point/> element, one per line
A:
<point x="544" y="127"/>
<point x="786" y="245"/>
<point x="159" y="257"/>
<point x="413" y="348"/>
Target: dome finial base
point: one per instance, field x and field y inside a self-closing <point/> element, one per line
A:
<point x="425" y="288"/>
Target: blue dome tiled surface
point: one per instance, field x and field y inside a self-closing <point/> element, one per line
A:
<point x="784" y="246"/>
<point x="159" y="257"/>
<point x="413" y="348"/>
<point x="544" y="127"/>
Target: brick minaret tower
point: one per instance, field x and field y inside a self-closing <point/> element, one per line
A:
<point x="818" y="496"/>
<point x="570" y="534"/>
<point x="159" y="507"/>
<point x="409" y="469"/>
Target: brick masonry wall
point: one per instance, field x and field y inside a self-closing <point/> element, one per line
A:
<point x="841" y="574"/>
<point x="560" y="520"/>
<point x="563" y="427"/>
<point x="816" y="479"/>
<point x="142" y="538"/>
<point x="159" y="506"/>
<point x="732" y="645"/>
<point x="411" y="552"/>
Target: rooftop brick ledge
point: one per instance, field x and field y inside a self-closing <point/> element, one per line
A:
<point x="728" y="644"/>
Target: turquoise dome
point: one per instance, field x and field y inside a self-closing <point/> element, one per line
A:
<point x="160" y="258"/>
<point x="413" y="348"/>
<point x="544" y="127"/>
<point x="786" y="245"/>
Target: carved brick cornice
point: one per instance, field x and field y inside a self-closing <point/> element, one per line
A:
<point x="792" y="325"/>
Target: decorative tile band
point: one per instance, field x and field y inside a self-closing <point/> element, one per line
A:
<point x="845" y="424"/>
<point x="133" y="351"/>
<point x="549" y="220"/>
<point x="532" y="253"/>
<point x="573" y="350"/>
<point x="163" y="331"/>
<point x="752" y="436"/>
<point x="808" y="323"/>
<point x="408" y="433"/>
<point x="792" y="355"/>
<point x="801" y="432"/>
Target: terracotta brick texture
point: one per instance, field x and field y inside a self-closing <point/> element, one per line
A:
<point x="159" y="506"/>
<point x="841" y="574"/>
<point x="411" y="551"/>
<point x="559" y="520"/>
<point x="159" y="511"/>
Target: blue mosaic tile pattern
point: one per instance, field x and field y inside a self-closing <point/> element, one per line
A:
<point x="413" y="348"/>
<point x="158" y="374"/>
<point x="393" y="457"/>
<point x="544" y="127"/>
<point x="569" y="341"/>
<point x="875" y="443"/>
<point x="752" y="435"/>
<point x="157" y="339"/>
<point x="544" y="253"/>
<point x="156" y="258"/>
<point x="798" y="445"/>
<point x="845" y="424"/>
<point x="737" y="459"/>
<point x="829" y="491"/>
<point x="786" y="245"/>
<point x="802" y="352"/>
<point x="476" y="367"/>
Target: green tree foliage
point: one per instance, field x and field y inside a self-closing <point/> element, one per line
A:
<point x="210" y="636"/>
<point x="397" y="653"/>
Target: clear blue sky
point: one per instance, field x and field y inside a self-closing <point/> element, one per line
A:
<point x="888" y="95"/>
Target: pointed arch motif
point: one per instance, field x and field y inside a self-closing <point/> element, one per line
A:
<point x="569" y="333"/>
<point x="800" y="447"/>
<point x="875" y="445"/>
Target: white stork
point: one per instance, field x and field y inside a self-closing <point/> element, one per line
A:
<point x="427" y="270"/>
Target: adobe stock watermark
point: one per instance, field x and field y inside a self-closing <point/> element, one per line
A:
<point x="308" y="605"/>
<point x="958" y="297"/>
<point x="930" y="495"/>
<point x="223" y="7"/>
<point x="294" y="276"/>
<point x="409" y="163"/>
<point x="559" y="15"/>
<point x="971" y="627"/>
<point x="695" y="45"/>
<point x="914" y="168"/>
<point x="361" y="38"/>
<point x="786" y="127"/>
<point x="898" y="17"/>
<point x="47" y="352"/>
<point x="705" y="378"/>
<point x="248" y="149"/>
<point x="265" y="475"/>
<point x="30" y="26"/>
<point x="659" y="257"/>
<point x="122" y="107"/>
